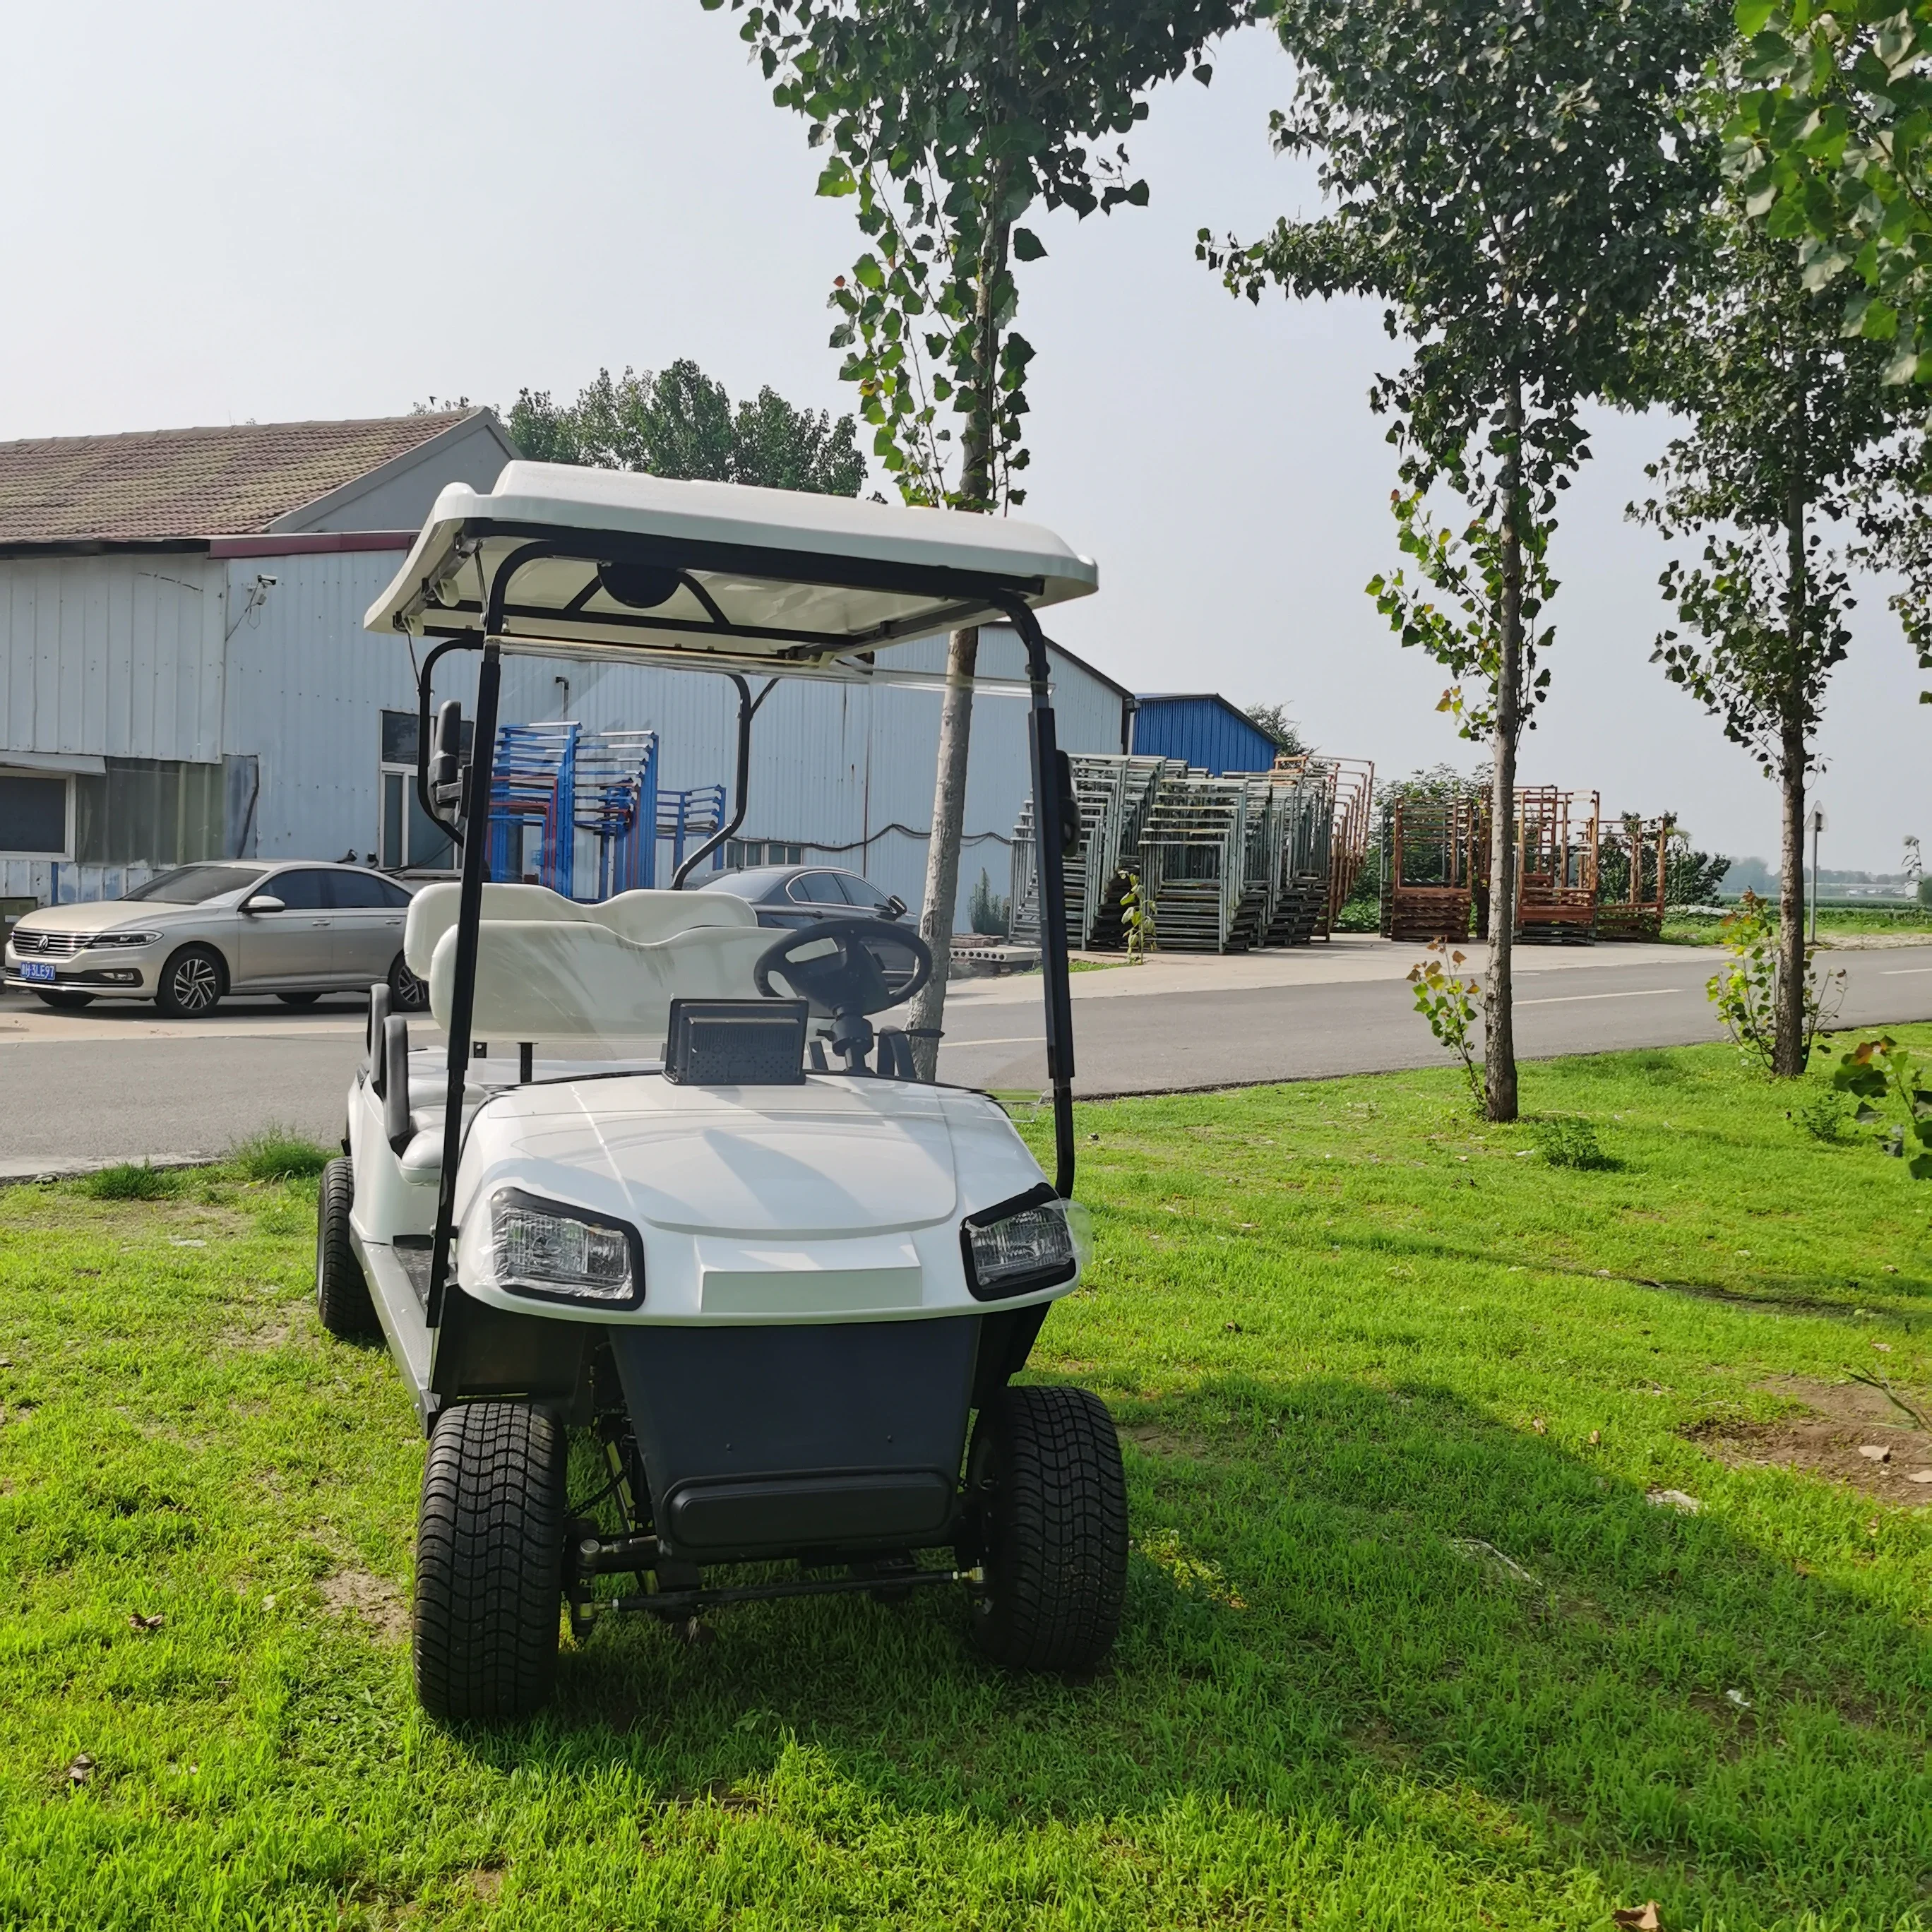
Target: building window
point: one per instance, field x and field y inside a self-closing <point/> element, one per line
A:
<point x="739" y="852"/>
<point x="36" y="816"/>
<point x="408" y="837"/>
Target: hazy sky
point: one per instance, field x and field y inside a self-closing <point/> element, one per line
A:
<point x="216" y="212"/>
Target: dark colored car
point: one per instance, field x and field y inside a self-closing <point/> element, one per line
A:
<point x="800" y="895"/>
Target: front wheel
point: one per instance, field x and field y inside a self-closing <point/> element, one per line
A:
<point x="490" y="1562"/>
<point x="191" y="983"/>
<point x="407" y="993"/>
<point x="1048" y="1498"/>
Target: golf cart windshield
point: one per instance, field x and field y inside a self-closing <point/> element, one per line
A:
<point x="196" y="885"/>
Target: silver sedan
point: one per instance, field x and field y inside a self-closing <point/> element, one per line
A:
<point x="188" y="938"/>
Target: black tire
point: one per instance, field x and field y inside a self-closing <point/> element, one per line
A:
<point x="1048" y="1500"/>
<point x="490" y="1562"/>
<point x="341" y="1292"/>
<point x="407" y="993"/>
<point x="192" y="983"/>
<point x="298" y="999"/>
<point x="65" y="1002"/>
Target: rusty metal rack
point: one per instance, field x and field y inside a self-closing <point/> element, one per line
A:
<point x="1432" y="855"/>
<point x="1556" y="834"/>
<point x="1633" y="864"/>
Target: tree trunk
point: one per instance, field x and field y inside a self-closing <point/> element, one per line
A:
<point x="1499" y="1083"/>
<point x="942" y="849"/>
<point x="1787" y="1053"/>
<point x="956" y="718"/>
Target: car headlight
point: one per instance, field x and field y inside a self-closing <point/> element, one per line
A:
<point x="1021" y="1245"/>
<point x="122" y="939"/>
<point x="557" y="1253"/>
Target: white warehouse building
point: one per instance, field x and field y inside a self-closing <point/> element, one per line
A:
<point x="184" y="675"/>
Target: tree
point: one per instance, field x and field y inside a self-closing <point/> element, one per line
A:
<point x="1510" y="178"/>
<point x="679" y="422"/>
<point x="1830" y="144"/>
<point x="947" y="121"/>
<point x="1282" y="730"/>
<point x="1788" y="420"/>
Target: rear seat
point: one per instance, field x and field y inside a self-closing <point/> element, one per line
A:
<point x="549" y="969"/>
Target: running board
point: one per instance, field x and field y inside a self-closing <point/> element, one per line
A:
<point x="400" y="1313"/>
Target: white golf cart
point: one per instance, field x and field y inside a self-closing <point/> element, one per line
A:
<point x="668" y="1184"/>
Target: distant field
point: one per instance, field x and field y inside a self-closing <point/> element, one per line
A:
<point x="1504" y="1555"/>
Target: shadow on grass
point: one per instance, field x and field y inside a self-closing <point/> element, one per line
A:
<point x="1377" y="1612"/>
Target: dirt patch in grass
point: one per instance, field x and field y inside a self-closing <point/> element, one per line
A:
<point x="1844" y="1420"/>
<point x="375" y="1601"/>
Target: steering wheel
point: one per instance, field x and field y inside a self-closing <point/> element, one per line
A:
<point x="833" y="966"/>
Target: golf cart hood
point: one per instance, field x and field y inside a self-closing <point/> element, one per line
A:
<point x="833" y="1200"/>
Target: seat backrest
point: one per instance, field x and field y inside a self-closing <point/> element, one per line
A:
<point x="643" y="917"/>
<point x="433" y="913"/>
<point x="549" y="978"/>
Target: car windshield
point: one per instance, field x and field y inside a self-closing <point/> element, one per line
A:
<point x="195" y="885"/>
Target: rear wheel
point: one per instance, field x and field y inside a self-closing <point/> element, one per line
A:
<point x="341" y="1292"/>
<point x="66" y="1003"/>
<point x="1049" y="1499"/>
<point x="191" y="983"/>
<point x="407" y="993"/>
<point x="490" y="1562"/>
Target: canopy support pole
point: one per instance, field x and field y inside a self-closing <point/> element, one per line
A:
<point x="1048" y="825"/>
<point x="748" y="710"/>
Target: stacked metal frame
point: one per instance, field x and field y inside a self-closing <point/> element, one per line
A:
<point x="1194" y="852"/>
<point x="615" y="802"/>
<point x="1430" y="849"/>
<point x="1634" y="865"/>
<point x="532" y="787"/>
<point x="1348" y="847"/>
<point x="695" y="814"/>
<point x="1303" y="794"/>
<point x="1115" y="795"/>
<point x="1557" y="834"/>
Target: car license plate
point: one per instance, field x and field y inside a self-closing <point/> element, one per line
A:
<point x="36" y="969"/>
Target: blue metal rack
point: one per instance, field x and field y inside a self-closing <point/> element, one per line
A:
<point x="571" y="786"/>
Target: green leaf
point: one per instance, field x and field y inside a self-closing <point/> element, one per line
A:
<point x="1027" y="246"/>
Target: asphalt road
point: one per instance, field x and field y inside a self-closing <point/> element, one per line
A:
<point x="117" y="1083"/>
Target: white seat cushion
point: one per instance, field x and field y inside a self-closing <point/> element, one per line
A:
<point x="554" y="979"/>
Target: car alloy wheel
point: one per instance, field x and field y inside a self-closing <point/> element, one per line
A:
<point x="191" y="985"/>
<point x="407" y="993"/>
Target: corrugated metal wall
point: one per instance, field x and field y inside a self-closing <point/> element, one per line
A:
<point x="122" y="656"/>
<point x="1208" y="732"/>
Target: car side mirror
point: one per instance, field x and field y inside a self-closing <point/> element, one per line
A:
<point x="895" y="907"/>
<point x="264" y="902"/>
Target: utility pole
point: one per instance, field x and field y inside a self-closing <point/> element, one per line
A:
<point x="1817" y="825"/>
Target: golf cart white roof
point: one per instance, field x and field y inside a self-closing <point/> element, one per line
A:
<point x="777" y="580"/>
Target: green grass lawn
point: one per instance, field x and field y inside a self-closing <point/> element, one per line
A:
<point x="1406" y="1646"/>
<point x="1698" y="926"/>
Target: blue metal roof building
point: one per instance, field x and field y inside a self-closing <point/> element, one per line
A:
<point x="1203" y="728"/>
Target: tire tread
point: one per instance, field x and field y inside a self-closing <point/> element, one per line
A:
<point x="341" y="1289"/>
<point x="490" y="1562"/>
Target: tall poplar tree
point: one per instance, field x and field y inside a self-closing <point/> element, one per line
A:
<point x="1511" y="179"/>
<point x="947" y="121"/>
<point x="1790" y="437"/>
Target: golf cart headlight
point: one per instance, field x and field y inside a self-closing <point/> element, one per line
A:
<point x="564" y="1254"/>
<point x="1022" y="1245"/>
<point x="122" y="939"/>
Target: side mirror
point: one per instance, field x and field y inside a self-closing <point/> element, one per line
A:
<point x="445" y="764"/>
<point x="895" y="908"/>
<point x="264" y="902"/>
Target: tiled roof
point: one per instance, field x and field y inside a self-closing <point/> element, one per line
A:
<point x="192" y="482"/>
